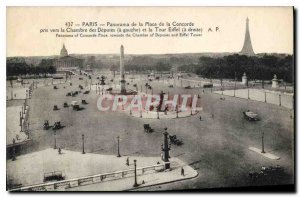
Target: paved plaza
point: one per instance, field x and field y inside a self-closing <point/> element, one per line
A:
<point x="215" y="146"/>
<point x="48" y="161"/>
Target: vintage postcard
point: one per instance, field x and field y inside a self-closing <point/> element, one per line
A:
<point x="150" y="99"/>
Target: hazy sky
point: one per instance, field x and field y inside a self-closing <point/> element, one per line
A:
<point x="271" y="29"/>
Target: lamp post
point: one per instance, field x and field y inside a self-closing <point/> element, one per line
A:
<point x="135" y="177"/>
<point x="82" y="144"/>
<point x="234" y="84"/>
<point x="55" y="140"/>
<point x="118" y="147"/>
<point x="165" y="148"/>
<point x="28" y="130"/>
<point x="14" y="150"/>
<point x="248" y="93"/>
<point x="279" y="99"/>
<point x="262" y="143"/>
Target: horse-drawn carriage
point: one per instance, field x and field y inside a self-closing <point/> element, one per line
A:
<point x="147" y="128"/>
<point x="66" y="105"/>
<point x="175" y="141"/>
<point x="57" y="126"/>
<point x="55" y="108"/>
<point x="46" y="125"/>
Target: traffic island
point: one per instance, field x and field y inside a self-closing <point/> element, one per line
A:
<point x="267" y="155"/>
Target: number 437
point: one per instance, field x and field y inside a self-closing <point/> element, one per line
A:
<point x="69" y="24"/>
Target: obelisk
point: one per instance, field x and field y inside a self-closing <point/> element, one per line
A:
<point x="122" y="71"/>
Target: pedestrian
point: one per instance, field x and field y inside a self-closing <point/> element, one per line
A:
<point x="200" y="118"/>
<point x="59" y="150"/>
<point x="182" y="171"/>
<point x="127" y="161"/>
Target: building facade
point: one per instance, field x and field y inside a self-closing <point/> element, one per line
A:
<point x="66" y="62"/>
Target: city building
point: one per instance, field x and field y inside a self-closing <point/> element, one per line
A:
<point x="66" y="62"/>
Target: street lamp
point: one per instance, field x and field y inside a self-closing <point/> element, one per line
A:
<point x="262" y="143"/>
<point x="118" y="147"/>
<point x="135" y="177"/>
<point x="55" y="140"/>
<point x="165" y="150"/>
<point x="82" y="144"/>
<point x="14" y="150"/>
<point x="279" y="99"/>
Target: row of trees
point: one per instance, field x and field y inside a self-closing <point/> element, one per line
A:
<point x="21" y="68"/>
<point x="255" y="67"/>
<point x="133" y="67"/>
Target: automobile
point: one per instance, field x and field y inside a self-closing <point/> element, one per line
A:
<point x="188" y="87"/>
<point x="66" y="105"/>
<point x="171" y="86"/>
<point x="74" y="93"/>
<point x="53" y="176"/>
<point x="267" y="173"/>
<point x="74" y="103"/>
<point x="46" y="125"/>
<point x="76" y="107"/>
<point x="80" y="78"/>
<point x="175" y="141"/>
<point x="55" y="87"/>
<point x="147" y="128"/>
<point x="84" y="102"/>
<point x="251" y="116"/>
<point x="86" y="92"/>
<point x="208" y="85"/>
<point x="69" y="94"/>
<point x="57" y="125"/>
<point x="55" y="108"/>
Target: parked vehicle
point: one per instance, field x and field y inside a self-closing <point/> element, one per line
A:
<point x="251" y="116"/>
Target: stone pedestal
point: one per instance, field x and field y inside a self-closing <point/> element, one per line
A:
<point x="275" y="83"/>
<point x="245" y="79"/>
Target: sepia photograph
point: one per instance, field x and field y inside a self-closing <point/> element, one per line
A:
<point x="150" y="99"/>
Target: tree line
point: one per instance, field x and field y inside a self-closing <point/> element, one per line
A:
<point x="22" y="68"/>
<point x="256" y="68"/>
<point x="160" y="66"/>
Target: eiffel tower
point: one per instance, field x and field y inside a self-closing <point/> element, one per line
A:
<point x="247" y="48"/>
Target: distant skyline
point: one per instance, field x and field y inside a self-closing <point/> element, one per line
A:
<point x="271" y="30"/>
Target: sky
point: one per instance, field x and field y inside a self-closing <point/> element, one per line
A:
<point x="271" y="29"/>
